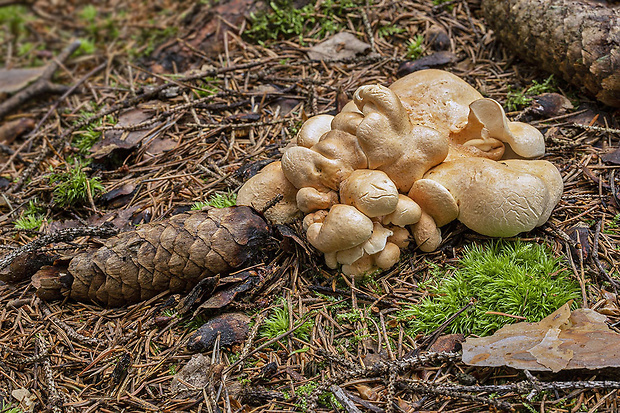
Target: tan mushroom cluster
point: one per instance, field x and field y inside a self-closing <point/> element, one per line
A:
<point x="400" y="162"/>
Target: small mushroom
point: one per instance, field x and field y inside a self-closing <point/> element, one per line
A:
<point x="407" y="212"/>
<point x="360" y="267"/>
<point x="370" y="191"/>
<point x="309" y="219"/>
<point x="426" y="233"/>
<point x="349" y="256"/>
<point x="387" y="257"/>
<point x="264" y="187"/>
<point x="312" y="130"/>
<point x="310" y="199"/>
<point x="400" y="237"/>
<point x="435" y="200"/>
<point x="377" y="241"/>
<point x="344" y="227"/>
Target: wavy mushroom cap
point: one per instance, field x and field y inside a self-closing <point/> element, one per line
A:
<point x="344" y="227"/>
<point x="500" y="199"/>
<point x="436" y="99"/>
<point x="264" y="187"/>
<point x="312" y="130"/>
<point x="370" y="191"/>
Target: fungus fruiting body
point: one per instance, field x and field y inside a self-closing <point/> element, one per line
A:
<point x="399" y="162"/>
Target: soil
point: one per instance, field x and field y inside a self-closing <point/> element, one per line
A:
<point x="190" y="107"/>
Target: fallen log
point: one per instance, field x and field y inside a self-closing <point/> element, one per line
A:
<point x="576" y="40"/>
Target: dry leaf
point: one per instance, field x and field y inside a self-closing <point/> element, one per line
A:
<point x="120" y="139"/>
<point x="13" y="80"/>
<point x="340" y="46"/>
<point x="232" y="327"/>
<point x="561" y="341"/>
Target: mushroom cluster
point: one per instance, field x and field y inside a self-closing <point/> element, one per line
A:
<point x="406" y="160"/>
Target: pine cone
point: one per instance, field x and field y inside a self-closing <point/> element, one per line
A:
<point x="169" y="255"/>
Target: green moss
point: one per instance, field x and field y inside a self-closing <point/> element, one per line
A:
<point x="283" y="20"/>
<point x="71" y="186"/>
<point x="278" y="323"/>
<point x="32" y="217"/>
<point x="515" y="278"/>
<point x="517" y="99"/>
<point x="415" y="47"/>
<point x="218" y="200"/>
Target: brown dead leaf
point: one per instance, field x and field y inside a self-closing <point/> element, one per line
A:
<point x="13" y="129"/>
<point x="232" y="327"/>
<point x="340" y="46"/>
<point x="434" y="60"/>
<point x="119" y="139"/>
<point x="561" y="341"/>
<point x="610" y="305"/>
<point x="551" y="104"/>
<point x="447" y="343"/>
<point x="13" y="80"/>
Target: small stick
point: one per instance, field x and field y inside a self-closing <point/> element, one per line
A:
<point x="41" y="85"/>
<point x="59" y="236"/>
<point x="342" y="397"/>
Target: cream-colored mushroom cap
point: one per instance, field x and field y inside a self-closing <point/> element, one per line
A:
<point x="435" y="200"/>
<point x="500" y="199"/>
<point x="436" y="98"/>
<point x="312" y="130"/>
<point x="344" y="227"/>
<point x="370" y="191"/>
<point x="426" y="233"/>
<point x="264" y="187"/>
<point x="360" y="267"/>
<point x="387" y="257"/>
<point x="313" y="217"/>
<point x="349" y="256"/>
<point x="378" y="239"/>
<point x="400" y="237"/>
<point x="407" y="212"/>
<point x="310" y="199"/>
<point x="487" y="122"/>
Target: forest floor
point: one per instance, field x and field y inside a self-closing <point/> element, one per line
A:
<point x="192" y="97"/>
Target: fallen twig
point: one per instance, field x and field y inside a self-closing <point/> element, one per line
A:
<point x="42" y="85"/>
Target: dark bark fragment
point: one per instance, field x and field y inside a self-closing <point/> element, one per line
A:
<point x="576" y="40"/>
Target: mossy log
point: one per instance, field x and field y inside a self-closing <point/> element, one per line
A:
<point x="576" y="40"/>
<point x="174" y="255"/>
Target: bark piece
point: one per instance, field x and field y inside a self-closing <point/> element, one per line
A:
<point x="169" y="255"/>
<point x="561" y="341"/>
<point x="232" y="327"/>
<point x="577" y="40"/>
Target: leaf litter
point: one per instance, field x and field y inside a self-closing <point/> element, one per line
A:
<point x="240" y="106"/>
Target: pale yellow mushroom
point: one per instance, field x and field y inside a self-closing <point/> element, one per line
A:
<point x="407" y="212"/>
<point x="500" y="199"/>
<point x="263" y="188"/>
<point x="326" y="164"/>
<point x="393" y="144"/>
<point x="310" y="199"/>
<point x="312" y="130"/>
<point x="387" y="257"/>
<point x="314" y="217"/>
<point x="401" y="236"/>
<point x="370" y="191"/>
<point x="344" y="227"/>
